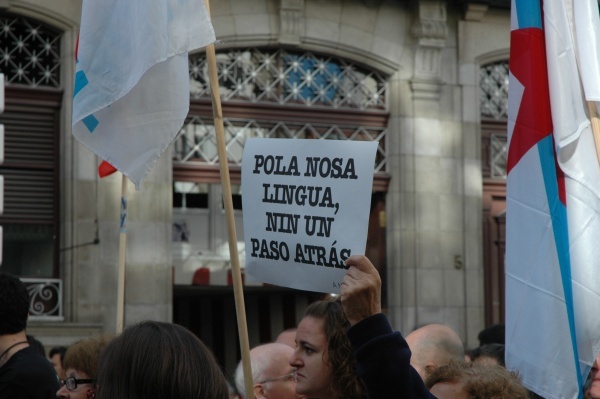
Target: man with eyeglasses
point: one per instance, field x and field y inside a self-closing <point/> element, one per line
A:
<point x="272" y="376"/>
<point x="24" y="373"/>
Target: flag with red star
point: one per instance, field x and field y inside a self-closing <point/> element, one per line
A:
<point x="131" y="93"/>
<point x="553" y="199"/>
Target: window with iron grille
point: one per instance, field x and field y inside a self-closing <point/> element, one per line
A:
<point x="494" y="152"/>
<point x="270" y="93"/>
<point x="283" y="77"/>
<point x="494" y="111"/>
<point x="29" y="51"/>
<point x="30" y="61"/>
<point x="279" y="93"/>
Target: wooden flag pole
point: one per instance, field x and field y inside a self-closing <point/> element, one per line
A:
<point x="122" y="251"/>
<point x="228" y="202"/>
<point x="595" y="125"/>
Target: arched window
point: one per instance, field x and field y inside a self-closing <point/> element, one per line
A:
<point x="494" y="111"/>
<point x="30" y="62"/>
<point x="278" y="93"/>
<point x="494" y="152"/>
<point x="265" y="93"/>
<point x="274" y="93"/>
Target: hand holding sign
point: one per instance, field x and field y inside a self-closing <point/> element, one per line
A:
<point x="361" y="289"/>
<point x="306" y="209"/>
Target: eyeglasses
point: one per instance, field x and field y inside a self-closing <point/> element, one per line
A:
<point x="71" y="382"/>
<point x="288" y="377"/>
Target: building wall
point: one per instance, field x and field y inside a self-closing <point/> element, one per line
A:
<point x="431" y="51"/>
<point x="483" y="37"/>
<point x="90" y="205"/>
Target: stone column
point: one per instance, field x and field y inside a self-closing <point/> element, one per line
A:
<point x="93" y="270"/>
<point x="426" y="237"/>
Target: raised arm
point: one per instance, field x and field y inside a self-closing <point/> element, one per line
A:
<point x="382" y="355"/>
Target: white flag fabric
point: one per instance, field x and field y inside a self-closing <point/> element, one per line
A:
<point x="131" y="93"/>
<point x="553" y="199"/>
<point x="587" y="38"/>
<point x="565" y="22"/>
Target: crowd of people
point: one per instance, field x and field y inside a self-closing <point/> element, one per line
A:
<point x="343" y="348"/>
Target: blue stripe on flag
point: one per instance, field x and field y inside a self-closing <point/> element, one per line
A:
<point x="90" y="122"/>
<point x="529" y="14"/>
<point x="558" y="213"/>
<point x="123" y="226"/>
<point x="80" y="82"/>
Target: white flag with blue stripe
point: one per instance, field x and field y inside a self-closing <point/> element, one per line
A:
<point x="553" y="197"/>
<point x="131" y="92"/>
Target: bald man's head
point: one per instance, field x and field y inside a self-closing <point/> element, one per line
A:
<point x="269" y="362"/>
<point x="432" y="346"/>
<point x="287" y="337"/>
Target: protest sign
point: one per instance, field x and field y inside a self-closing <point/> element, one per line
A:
<point x="306" y="209"/>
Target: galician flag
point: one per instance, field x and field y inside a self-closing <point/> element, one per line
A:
<point x="131" y="93"/>
<point x="553" y="196"/>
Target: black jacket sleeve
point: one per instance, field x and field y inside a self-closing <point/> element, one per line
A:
<point x="383" y="361"/>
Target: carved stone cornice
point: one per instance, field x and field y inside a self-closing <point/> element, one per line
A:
<point x="474" y="11"/>
<point x="291" y="21"/>
<point x="431" y="33"/>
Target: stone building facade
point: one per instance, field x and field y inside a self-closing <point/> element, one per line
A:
<point x="413" y="73"/>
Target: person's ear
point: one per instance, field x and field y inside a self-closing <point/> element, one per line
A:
<point x="259" y="391"/>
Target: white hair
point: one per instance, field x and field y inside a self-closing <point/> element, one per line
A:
<point x="260" y="358"/>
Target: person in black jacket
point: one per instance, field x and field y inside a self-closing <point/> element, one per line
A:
<point x="24" y="372"/>
<point x="382" y="355"/>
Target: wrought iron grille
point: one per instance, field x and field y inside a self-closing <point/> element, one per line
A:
<point x="45" y="299"/>
<point x="494" y="90"/>
<point x="197" y="140"/>
<point x="498" y="156"/>
<point x="283" y="77"/>
<point x="29" y="51"/>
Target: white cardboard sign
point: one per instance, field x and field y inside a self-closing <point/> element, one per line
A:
<point x="306" y="209"/>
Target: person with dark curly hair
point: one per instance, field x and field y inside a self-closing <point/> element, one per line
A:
<point x="462" y="380"/>
<point x="323" y="358"/>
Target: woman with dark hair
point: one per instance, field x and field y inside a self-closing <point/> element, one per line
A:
<point x="159" y="360"/>
<point x="324" y="360"/>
